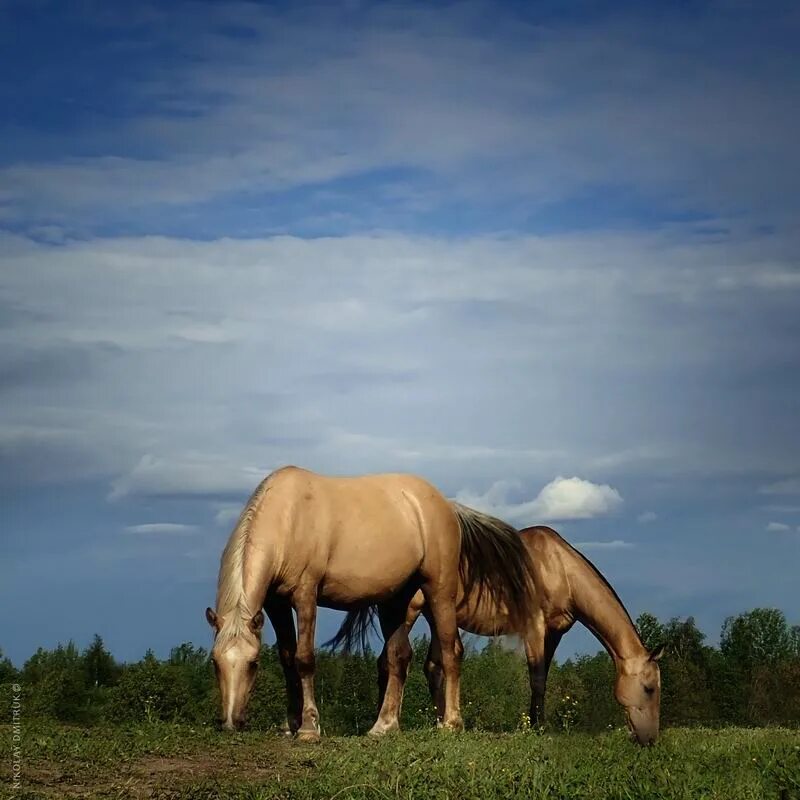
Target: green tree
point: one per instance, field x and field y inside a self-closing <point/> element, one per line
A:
<point x="760" y="636"/>
<point x="687" y="694"/>
<point x="684" y="640"/>
<point x="8" y="672"/>
<point x="99" y="665"/>
<point x="495" y="687"/>
<point x="651" y="631"/>
<point x="55" y="682"/>
<point x="759" y="648"/>
<point x="151" y="691"/>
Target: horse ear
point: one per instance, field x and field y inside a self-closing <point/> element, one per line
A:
<point x="257" y="623"/>
<point x="657" y="652"/>
<point x="212" y="618"/>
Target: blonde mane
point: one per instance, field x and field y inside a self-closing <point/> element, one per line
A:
<point x="232" y="603"/>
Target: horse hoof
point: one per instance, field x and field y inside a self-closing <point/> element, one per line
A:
<point x="308" y="736"/>
<point x="377" y="730"/>
<point x="456" y="725"/>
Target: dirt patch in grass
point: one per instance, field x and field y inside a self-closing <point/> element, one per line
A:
<point x="152" y="776"/>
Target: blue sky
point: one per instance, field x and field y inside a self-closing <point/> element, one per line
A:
<point x="543" y="254"/>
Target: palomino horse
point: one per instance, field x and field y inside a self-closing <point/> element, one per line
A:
<point x="305" y="540"/>
<point x="569" y="588"/>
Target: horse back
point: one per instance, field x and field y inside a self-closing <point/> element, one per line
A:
<point x="363" y="536"/>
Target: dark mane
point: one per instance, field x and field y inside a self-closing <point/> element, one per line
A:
<point x="598" y="574"/>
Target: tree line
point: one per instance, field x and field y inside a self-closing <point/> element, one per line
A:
<point x="752" y="678"/>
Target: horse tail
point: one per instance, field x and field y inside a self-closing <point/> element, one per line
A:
<point x="494" y="560"/>
<point x="354" y="631"/>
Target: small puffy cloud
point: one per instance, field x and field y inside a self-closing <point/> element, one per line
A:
<point x="778" y="527"/>
<point x="561" y="499"/>
<point x="160" y="528"/>
<point x="788" y="486"/>
<point x="575" y="498"/>
<point x="614" y="544"/>
<point x="647" y="516"/>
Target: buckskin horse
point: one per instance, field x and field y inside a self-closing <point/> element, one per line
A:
<point x="351" y="543"/>
<point x="569" y="589"/>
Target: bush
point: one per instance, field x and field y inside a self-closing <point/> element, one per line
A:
<point x="54" y="684"/>
<point x="151" y="691"/>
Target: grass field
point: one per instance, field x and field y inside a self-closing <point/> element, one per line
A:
<point x="182" y="763"/>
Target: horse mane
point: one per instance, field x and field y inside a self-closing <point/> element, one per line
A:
<point x="495" y="560"/>
<point x="232" y="603"/>
<point x="599" y="575"/>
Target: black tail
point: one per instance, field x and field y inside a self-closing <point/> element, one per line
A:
<point x="354" y="632"/>
<point x="494" y="560"/>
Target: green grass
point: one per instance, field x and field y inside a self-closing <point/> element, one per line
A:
<point x="183" y="763"/>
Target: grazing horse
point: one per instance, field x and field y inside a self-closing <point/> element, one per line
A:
<point x="305" y="540"/>
<point x="569" y="589"/>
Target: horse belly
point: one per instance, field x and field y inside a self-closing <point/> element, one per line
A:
<point x="484" y="618"/>
<point x="370" y="569"/>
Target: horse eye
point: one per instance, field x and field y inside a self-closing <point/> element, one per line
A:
<point x="252" y="666"/>
<point x="649" y="689"/>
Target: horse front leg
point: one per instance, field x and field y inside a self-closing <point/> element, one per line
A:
<point x="305" y="604"/>
<point x="540" y="646"/>
<point x="279" y="611"/>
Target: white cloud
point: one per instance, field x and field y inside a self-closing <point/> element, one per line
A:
<point x="201" y="366"/>
<point x="561" y="499"/>
<point x="200" y="476"/>
<point x="779" y="508"/>
<point x="575" y="498"/>
<point x="543" y="107"/>
<point x="778" y="527"/>
<point x="614" y="544"/>
<point x="788" y="486"/>
<point x="646" y="517"/>
<point x="161" y="528"/>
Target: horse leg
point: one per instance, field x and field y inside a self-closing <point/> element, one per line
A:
<point x="435" y="677"/>
<point x="540" y="646"/>
<point x="279" y="611"/>
<point x="383" y="675"/>
<point x="396" y="618"/>
<point x="443" y="613"/>
<point x="305" y="604"/>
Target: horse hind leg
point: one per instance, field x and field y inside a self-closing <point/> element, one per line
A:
<point x="443" y="616"/>
<point x="396" y="619"/>
<point x="435" y="677"/>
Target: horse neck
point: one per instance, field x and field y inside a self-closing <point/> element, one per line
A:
<point x="599" y="609"/>
<point x="246" y="573"/>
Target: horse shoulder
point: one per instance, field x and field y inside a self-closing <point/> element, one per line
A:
<point x="547" y="552"/>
